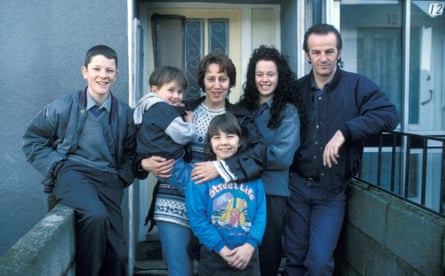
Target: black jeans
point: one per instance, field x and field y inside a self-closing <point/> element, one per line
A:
<point x="211" y="264"/>
<point x="271" y="248"/>
<point x="96" y="198"/>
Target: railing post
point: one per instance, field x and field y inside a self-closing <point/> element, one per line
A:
<point x="393" y="161"/>
<point x="407" y="166"/>
<point x="423" y="179"/>
<point x="442" y="180"/>
<point x="379" y="160"/>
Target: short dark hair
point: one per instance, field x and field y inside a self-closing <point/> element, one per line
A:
<point x="227" y="123"/>
<point x="166" y="74"/>
<point x="322" y="29"/>
<point x="100" y="50"/>
<point x="225" y="65"/>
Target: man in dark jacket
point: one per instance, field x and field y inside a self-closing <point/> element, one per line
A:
<point x="84" y="144"/>
<point x="341" y="109"/>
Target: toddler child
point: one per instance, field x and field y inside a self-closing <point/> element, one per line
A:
<point x="164" y="125"/>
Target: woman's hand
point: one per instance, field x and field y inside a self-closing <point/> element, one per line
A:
<point x="158" y="166"/>
<point x="203" y="172"/>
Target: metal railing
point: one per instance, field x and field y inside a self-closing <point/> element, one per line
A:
<point x="409" y="166"/>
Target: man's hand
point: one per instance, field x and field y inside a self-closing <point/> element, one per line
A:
<point x="158" y="166"/>
<point x="330" y="153"/>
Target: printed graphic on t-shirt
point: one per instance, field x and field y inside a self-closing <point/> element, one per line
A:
<point x="231" y="212"/>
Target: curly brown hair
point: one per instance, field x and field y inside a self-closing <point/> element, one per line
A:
<point x="284" y="93"/>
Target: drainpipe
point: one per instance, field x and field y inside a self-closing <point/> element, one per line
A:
<point x="131" y="101"/>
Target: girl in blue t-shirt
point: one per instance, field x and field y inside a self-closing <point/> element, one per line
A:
<point x="228" y="218"/>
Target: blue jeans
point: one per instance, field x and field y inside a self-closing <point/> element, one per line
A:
<point x="174" y="241"/>
<point x="313" y="227"/>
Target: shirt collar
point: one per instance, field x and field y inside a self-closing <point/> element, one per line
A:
<point x="262" y="107"/>
<point x="91" y="102"/>
<point x="314" y="85"/>
<point x="269" y="102"/>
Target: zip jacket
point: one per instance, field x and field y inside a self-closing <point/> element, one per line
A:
<point x="53" y="134"/>
<point x="351" y="103"/>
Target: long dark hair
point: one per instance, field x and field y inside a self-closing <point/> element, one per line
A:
<point x="285" y="91"/>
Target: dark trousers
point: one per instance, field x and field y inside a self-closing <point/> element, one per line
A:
<point x="211" y="264"/>
<point x="270" y="250"/>
<point x="96" y="198"/>
<point x="313" y="226"/>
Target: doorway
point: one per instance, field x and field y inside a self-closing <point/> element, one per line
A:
<point x="181" y="34"/>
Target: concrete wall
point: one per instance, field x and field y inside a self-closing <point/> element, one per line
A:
<point x="47" y="249"/>
<point x="42" y="46"/>
<point x="384" y="235"/>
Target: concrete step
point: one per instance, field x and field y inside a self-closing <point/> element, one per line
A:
<point x="148" y="258"/>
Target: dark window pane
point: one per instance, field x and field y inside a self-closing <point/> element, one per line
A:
<point x="192" y="55"/>
<point x="218" y="36"/>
